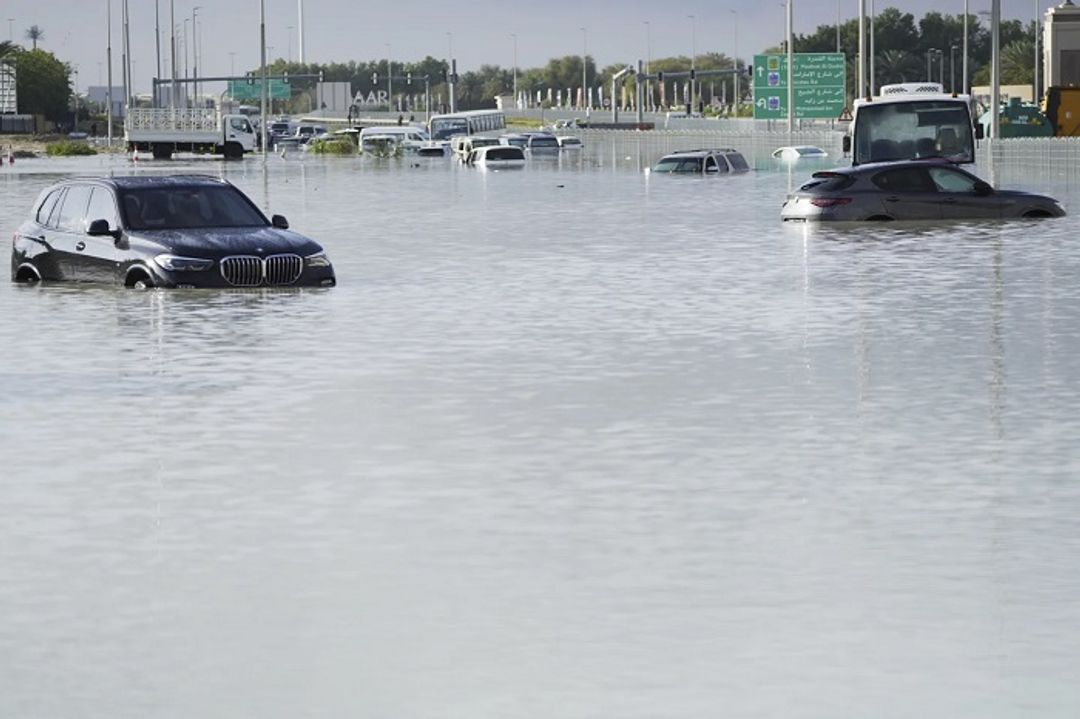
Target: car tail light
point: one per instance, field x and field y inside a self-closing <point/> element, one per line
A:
<point x="829" y="201"/>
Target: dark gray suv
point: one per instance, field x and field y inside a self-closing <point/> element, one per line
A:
<point x="179" y="231"/>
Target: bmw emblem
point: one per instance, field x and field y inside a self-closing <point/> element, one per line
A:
<point x="259" y="249"/>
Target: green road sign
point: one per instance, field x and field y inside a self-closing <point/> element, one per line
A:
<point x="820" y="86"/>
<point x="242" y="91"/>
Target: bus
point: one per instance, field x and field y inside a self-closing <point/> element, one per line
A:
<point x="910" y="121"/>
<point x="473" y="122"/>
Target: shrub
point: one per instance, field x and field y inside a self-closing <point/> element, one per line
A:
<point x="333" y="146"/>
<point x="69" y="148"/>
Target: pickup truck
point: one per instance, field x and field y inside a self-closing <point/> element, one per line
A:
<point x="163" y="131"/>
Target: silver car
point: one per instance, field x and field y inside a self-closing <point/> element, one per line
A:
<point x="913" y="190"/>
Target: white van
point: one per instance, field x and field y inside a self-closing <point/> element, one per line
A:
<point x="408" y="136"/>
<point x="496" y="156"/>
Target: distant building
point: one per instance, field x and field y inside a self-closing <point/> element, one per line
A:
<point x="9" y="101"/>
<point x="99" y="94"/>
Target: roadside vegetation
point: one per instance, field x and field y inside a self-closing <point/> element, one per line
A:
<point x="333" y="146"/>
<point x="69" y="148"/>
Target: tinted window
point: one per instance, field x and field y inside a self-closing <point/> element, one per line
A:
<point x="738" y="162"/>
<point x="949" y="180"/>
<point x="46" y="207"/>
<point x="908" y="179"/>
<point x="177" y="208"/>
<point x="73" y="212"/>
<point x="54" y="215"/>
<point x="902" y="131"/>
<point x="829" y="183"/>
<point x="102" y="207"/>
<point x="505" y="153"/>
<point x="715" y="164"/>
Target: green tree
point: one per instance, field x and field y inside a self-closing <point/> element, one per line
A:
<point x="34" y="33"/>
<point x="7" y="48"/>
<point x="43" y="84"/>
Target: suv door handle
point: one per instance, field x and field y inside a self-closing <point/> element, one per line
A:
<point x="80" y="246"/>
<point x="893" y="198"/>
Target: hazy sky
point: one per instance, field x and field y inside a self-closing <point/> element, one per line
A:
<point x="342" y="30"/>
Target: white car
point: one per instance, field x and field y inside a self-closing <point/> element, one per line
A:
<point x="570" y="143"/>
<point x="800" y="152"/>
<point x="496" y="157"/>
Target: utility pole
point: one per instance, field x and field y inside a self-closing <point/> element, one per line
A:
<point x="873" y="74"/>
<point x="995" y="69"/>
<point x="1038" y="22"/>
<point x="514" y="35"/>
<point x="108" y="63"/>
<point x="300" y="10"/>
<point x="157" y="51"/>
<point x="861" y="90"/>
<point x="262" y="85"/>
<point x="693" y="66"/>
<point x="838" y="25"/>
<point x="791" y="68"/>
<point x="584" y="70"/>
<point x="174" y="99"/>
<point x="195" y="54"/>
<point x="648" y="61"/>
<point x="735" y="64"/>
<point x="124" y="53"/>
<point x="967" y="90"/>
<point x="389" y="80"/>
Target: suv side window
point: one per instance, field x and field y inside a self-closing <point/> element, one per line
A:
<point x="908" y="179"/>
<point x="46" y="208"/>
<point x="102" y="207"/>
<point x="948" y="180"/>
<point x="73" y="213"/>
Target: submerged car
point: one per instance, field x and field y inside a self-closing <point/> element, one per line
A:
<point x="702" y="162"/>
<point x="178" y="231"/>
<point x="932" y="189"/>
<point x="496" y="156"/>
<point x="799" y="152"/>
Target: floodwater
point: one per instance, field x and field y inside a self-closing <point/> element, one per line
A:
<point x="569" y="442"/>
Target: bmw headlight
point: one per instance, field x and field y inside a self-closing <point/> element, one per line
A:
<point x="319" y="259"/>
<point x="172" y="263"/>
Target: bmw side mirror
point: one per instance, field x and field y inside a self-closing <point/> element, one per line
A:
<point x="101" y="228"/>
<point x="847" y="144"/>
<point x="980" y="131"/>
<point x="982" y="189"/>
<point x="279" y="222"/>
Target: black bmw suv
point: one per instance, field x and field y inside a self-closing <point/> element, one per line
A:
<point x="178" y="231"/>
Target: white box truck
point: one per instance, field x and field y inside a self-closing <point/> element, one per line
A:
<point x="163" y="131"/>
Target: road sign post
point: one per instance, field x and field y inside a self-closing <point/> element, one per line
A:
<point x="820" y="86"/>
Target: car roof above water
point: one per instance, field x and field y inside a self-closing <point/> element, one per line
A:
<point x="139" y="181"/>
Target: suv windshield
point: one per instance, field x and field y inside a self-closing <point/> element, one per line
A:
<point x="176" y="208"/>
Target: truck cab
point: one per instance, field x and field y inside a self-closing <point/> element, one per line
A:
<point x="912" y="121"/>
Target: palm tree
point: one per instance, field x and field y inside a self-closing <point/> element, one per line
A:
<point x="1018" y="62"/>
<point x="897" y="66"/>
<point x="7" y="48"/>
<point x="35" y="33"/>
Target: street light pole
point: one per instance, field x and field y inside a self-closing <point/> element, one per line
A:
<point x="288" y="45"/>
<point x="995" y="69"/>
<point x="861" y="74"/>
<point x="1038" y="20"/>
<point x="108" y="63"/>
<point x="262" y="84"/>
<point x="873" y="74"/>
<point x="791" y="68"/>
<point x="194" y="54"/>
<point x="964" y="69"/>
<point x="648" y="62"/>
<point x="300" y="12"/>
<point x="172" y="63"/>
<point x="584" y="70"/>
<point x="735" y="64"/>
<point x="952" y="68"/>
<point x="389" y="79"/>
<point x="514" y="35"/>
<point x="693" y="55"/>
<point x="157" y="49"/>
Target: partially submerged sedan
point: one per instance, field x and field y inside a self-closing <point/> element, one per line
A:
<point x="933" y="189"/>
<point x="180" y="231"/>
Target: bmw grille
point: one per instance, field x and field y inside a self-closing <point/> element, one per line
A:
<point x="250" y="271"/>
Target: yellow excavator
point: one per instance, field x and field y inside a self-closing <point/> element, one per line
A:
<point x="1061" y="105"/>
